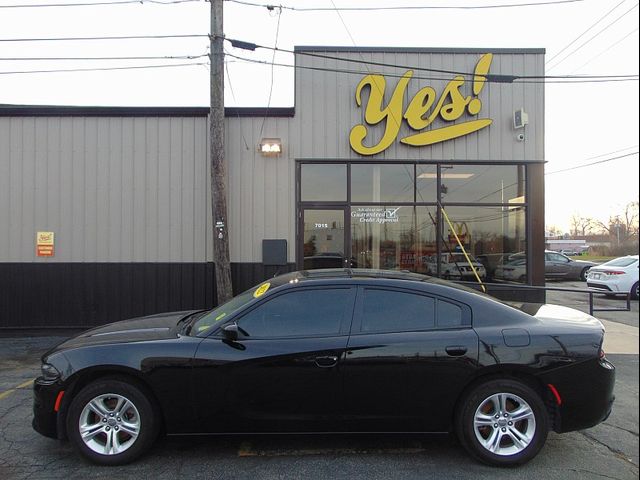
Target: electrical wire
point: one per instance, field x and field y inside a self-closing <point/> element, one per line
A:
<point x="605" y="50"/>
<point x="502" y="78"/>
<point x="404" y="7"/>
<point x="361" y="72"/>
<point x="172" y="57"/>
<point x="123" y="37"/>
<point x="584" y="33"/>
<point x="592" y="163"/>
<point x="595" y="36"/>
<point x="98" y="4"/>
<point x="101" y="69"/>
<point x="273" y="58"/>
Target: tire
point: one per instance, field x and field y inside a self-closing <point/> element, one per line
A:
<point x="94" y="411"/>
<point x="634" y="291"/>
<point x="583" y="274"/>
<point x="518" y="442"/>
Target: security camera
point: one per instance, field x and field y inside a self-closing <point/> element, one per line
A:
<point x="520" y="137"/>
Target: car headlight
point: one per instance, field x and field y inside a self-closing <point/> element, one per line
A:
<point x="49" y="372"/>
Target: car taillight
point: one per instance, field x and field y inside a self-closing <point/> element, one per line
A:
<point x="614" y="272"/>
<point x="601" y="354"/>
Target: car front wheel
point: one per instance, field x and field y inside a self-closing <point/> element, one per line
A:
<point x="502" y="423"/>
<point x="111" y="422"/>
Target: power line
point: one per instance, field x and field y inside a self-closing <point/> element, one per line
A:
<point x="593" y="163"/>
<point x="275" y="49"/>
<point x="498" y="78"/>
<point x="362" y="72"/>
<point x="123" y="37"/>
<point x="404" y="7"/>
<point x="584" y="33"/>
<point x="595" y="36"/>
<point x="101" y="69"/>
<point x="172" y="57"/>
<point x="606" y="50"/>
<point x="98" y="4"/>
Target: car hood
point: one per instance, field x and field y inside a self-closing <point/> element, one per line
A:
<point x="153" y="327"/>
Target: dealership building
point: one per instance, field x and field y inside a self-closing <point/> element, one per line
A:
<point x="391" y="158"/>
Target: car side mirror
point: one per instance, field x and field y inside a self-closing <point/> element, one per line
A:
<point x="230" y="332"/>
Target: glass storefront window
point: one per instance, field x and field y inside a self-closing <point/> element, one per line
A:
<point x="323" y="182"/>
<point x="483" y="184"/>
<point x="393" y="237"/>
<point x="426" y="183"/>
<point x="494" y="238"/>
<point x="382" y="183"/>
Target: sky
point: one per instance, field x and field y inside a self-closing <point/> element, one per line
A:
<point x="584" y="122"/>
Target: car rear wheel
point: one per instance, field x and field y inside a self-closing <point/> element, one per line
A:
<point x="111" y="422"/>
<point x="583" y="274"/>
<point x="503" y="423"/>
<point x="634" y="291"/>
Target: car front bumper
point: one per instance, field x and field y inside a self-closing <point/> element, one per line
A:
<point x="45" y="418"/>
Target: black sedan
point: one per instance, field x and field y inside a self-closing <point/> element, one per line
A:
<point x="332" y="351"/>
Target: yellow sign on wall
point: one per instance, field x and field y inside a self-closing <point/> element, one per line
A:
<point x="45" y="244"/>
<point x="422" y="111"/>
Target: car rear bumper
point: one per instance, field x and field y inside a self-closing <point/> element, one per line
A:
<point x="45" y="418"/>
<point x="586" y="394"/>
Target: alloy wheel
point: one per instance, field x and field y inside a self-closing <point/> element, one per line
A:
<point x="504" y="424"/>
<point x="109" y="424"/>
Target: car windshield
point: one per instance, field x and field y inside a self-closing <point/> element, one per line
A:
<point x="207" y="320"/>
<point x="620" y="262"/>
<point x="460" y="258"/>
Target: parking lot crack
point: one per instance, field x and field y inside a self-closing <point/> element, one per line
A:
<point x="618" y="453"/>
<point x="635" y="434"/>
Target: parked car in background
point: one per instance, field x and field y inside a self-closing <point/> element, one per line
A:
<point x="512" y="270"/>
<point x="569" y="253"/>
<point x="558" y="266"/>
<point x="616" y="276"/>
<point x="455" y="266"/>
<point x="332" y="351"/>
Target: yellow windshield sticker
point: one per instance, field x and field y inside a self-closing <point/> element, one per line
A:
<point x="221" y="316"/>
<point x="261" y="290"/>
<point x="202" y="328"/>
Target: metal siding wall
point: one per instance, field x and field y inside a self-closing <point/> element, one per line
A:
<point x="113" y="189"/>
<point x="261" y="197"/>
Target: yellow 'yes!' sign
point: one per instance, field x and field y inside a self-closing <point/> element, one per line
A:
<point x="261" y="290"/>
<point x="421" y="112"/>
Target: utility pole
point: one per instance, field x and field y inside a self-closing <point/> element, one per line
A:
<point x="216" y="151"/>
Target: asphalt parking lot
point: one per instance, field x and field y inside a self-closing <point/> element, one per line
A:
<point x="609" y="450"/>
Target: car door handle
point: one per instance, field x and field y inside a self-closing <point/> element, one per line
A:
<point x="326" y="362"/>
<point x="456" y="350"/>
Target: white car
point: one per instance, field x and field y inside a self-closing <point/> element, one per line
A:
<point x="514" y="270"/>
<point x="455" y="266"/>
<point x="616" y="276"/>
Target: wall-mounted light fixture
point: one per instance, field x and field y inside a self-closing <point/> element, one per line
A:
<point x="520" y="119"/>
<point x="270" y="147"/>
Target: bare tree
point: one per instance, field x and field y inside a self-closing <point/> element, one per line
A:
<point x="581" y="226"/>
<point x="554" y="231"/>
<point x="623" y="226"/>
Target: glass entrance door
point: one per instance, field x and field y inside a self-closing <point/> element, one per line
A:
<point x="324" y="243"/>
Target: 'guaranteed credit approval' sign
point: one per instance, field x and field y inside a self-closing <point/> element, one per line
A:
<point x="45" y="244"/>
<point x="421" y="112"/>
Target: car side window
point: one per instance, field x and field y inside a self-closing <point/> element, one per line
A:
<point x="392" y="310"/>
<point x="308" y="312"/>
<point x="449" y="314"/>
<point x="559" y="258"/>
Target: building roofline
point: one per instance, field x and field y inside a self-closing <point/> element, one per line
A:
<point x="95" y="111"/>
<point x="319" y="48"/>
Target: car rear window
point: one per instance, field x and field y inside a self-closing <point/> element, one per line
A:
<point x="390" y="310"/>
<point x="620" y="262"/>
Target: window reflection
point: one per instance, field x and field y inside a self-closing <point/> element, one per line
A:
<point x="382" y="183"/>
<point x="494" y="236"/>
<point x="323" y="182"/>
<point x="483" y="183"/>
<point x="393" y="237"/>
